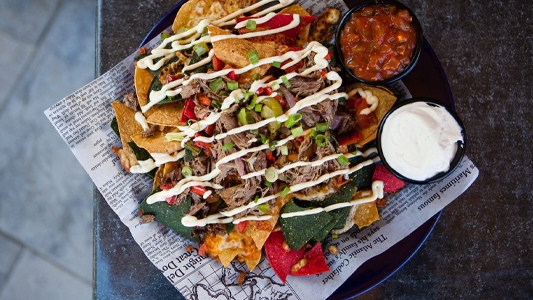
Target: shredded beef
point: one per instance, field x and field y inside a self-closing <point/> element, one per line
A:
<point x="228" y="121"/>
<point x="198" y="205"/>
<point x="197" y="86"/>
<point x="309" y="117"/>
<point x="130" y="100"/>
<point x="200" y="165"/>
<point x="149" y="132"/>
<point x="240" y="194"/>
<point x="305" y="86"/>
<point x="226" y="170"/>
<point x="327" y="109"/>
<point x="343" y="122"/>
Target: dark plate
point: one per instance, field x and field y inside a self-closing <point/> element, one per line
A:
<point x="427" y="79"/>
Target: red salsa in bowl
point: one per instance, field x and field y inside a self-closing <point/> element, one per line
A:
<point x="379" y="41"/>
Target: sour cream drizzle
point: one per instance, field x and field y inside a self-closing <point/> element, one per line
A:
<point x="191" y="37"/>
<point x="371" y="99"/>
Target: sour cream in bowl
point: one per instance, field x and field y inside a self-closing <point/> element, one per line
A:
<point x="421" y="140"/>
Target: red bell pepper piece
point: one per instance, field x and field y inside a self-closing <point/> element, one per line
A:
<point x="233" y="76"/>
<point x="241" y="227"/>
<point x="349" y="138"/>
<point x="209" y="129"/>
<point x="188" y="111"/>
<point x="281" y="101"/>
<point x="268" y="91"/>
<point x="316" y="262"/>
<point x="198" y="190"/>
<point x="280" y="20"/>
<point x="280" y="259"/>
<point x="218" y="64"/>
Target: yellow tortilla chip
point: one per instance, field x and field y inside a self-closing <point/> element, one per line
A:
<point x="191" y="13"/>
<point x="366" y="214"/>
<point x="234" y="51"/>
<point x="166" y="114"/>
<point x="386" y="101"/>
<point x="127" y="127"/>
<point x="157" y="143"/>
<point x="142" y="79"/>
<point x="227" y="255"/>
<point x="259" y="231"/>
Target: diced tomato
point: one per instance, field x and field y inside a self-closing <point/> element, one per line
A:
<point x="260" y="91"/>
<point x="270" y="157"/>
<point x="204" y="100"/>
<point x="166" y="186"/>
<point x="198" y="190"/>
<point x="233" y="76"/>
<point x="329" y="55"/>
<point x="316" y="262"/>
<point x="170" y="200"/>
<point x="188" y="110"/>
<point x="172" y="77"/>
<point x="280" y="259"/>
<point x="281" y="101"/>
<point x="209" y="129"/>
<point x="323" y="73"/>
<point x="241" y="227"/>
<point x="268" y="91"/>
<point x="363" y="121"/>
<point x="218" y="64"/>
<point x="202" y="145"/>
<point x="349" y="138"/>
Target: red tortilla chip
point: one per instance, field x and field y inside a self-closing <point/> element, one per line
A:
<point x="280" y="259"/>
<point x="391" y="183"/>
<point x="316" y="262"/>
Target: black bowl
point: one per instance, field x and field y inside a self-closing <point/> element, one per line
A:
<point x="461" y="145"/>
<point x="414" y="56"/>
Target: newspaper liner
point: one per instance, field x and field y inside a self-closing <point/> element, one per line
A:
<point x="82" y="119"/>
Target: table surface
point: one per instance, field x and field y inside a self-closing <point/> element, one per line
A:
<point x="482" y="246"/>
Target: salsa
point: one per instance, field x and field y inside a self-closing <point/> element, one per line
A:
<point x="378" y="41"/>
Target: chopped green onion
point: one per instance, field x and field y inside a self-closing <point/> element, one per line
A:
<point x="216" y="104"/>
<point x="321" y="140"/>
<point x="249" y="94"/>
<point x="276" y="64"/>
<point x="284" y="150"/>
<point x="297" y="131"/>
<point x="232" y="85"/>
<point x="256" y="76"/>
<point x="195" y="150"/>
<point x="227" y="146"/>
<point x="286" y="81"/>
<point x="251" y="25"/>
<point x="342" y="101"/>
<point x="258" y="107"/>
<point x="186" y="171"/>
<point x="263" y="139"/>
<point x="322" y="127"/>
<point x="271" y="174"/>
<point x="200" y="48"/>
<point x="285" y="191"/>
<point x="256" y="199"/>
<point x="253" y="57"/>
<point x="252" y="103"/>
<point x="343" y="161"/>
<point x="264" y="208"/>
<point x="272" y="145"/>
<point x="215" y="84"/>
<point x="312" y="133"/>
<point x="268" y="184"/>
<point x="174" y="136"/>
<point x="292" y="120"/>
<point x="245" y="117"/>
<point x="164" y="35"/>
<point x="334" y="236"/>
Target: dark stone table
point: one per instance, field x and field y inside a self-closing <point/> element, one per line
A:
<point x="482" y="247"/>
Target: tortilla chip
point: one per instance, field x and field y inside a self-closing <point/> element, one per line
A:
<point x="366" y="214"/>
<point x="142" y="79"/>
<point x="234" y="51"/>
<point x="157" y="178"/>
<point x="260" y="230"/>
<point x="296" y="9"/>
<point x="157" y="143"/>
<point x="386" y="101"/>
<point x="191" y="13"/>
<point x="166" y="114"/>
<point x="227" y="255"/>
<point x="127" y="127"/>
